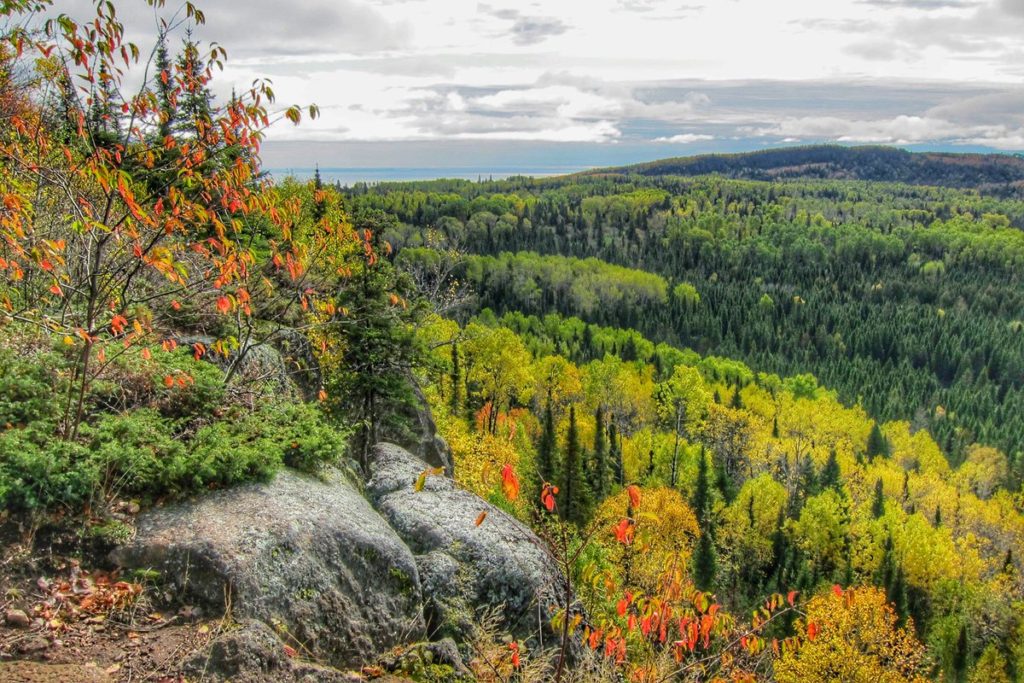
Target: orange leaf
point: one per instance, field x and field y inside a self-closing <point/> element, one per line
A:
<point x="838" y="590"/>
<point x="634" y="495"/>
<point x="480" y="518"/>
<point x="290" y="651"/>
<point x="168" y="381"/>
<point x="812" y="631"/>
<point x="791" y="598"/>
<point x="118" y="324"/>
<point x="509" y="482"/>
<point x="223" y="304"/>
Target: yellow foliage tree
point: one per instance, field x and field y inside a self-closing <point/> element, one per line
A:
<point x="852" y="637"/>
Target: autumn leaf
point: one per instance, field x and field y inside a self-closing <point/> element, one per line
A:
<point x="791" y="598"/>
<point x="634" y="495"/>
<point x="480" y="518"/>
<point x="118" y="324"/>
<point x="812" y="631"/>
<point x="509" y="482"/>
<point x="168" y="381"/>
<point x="547" y="496"/>
<point x="837" y="590"/>
<point x="223" y="304"/>
<point x="624" y="531"/>
<point x="514" y="647"/>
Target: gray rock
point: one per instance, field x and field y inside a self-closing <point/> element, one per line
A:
<point x="500" y="564"/>
<point x="17" y="618"/>
<point x="253" y="653"/>
<point x="309" y="556"/>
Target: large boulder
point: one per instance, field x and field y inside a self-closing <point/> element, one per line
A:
<point x="309" y="556"/>
<point x="465" y="568"/>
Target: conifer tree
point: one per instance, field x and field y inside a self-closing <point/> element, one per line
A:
<point x="615" y="454"/>
<point x="546" y="447"/>
<point x="830" y="474"/>
<point x="877" y="445"/>
<point x="878" y="503"/>
<point x="704" y="560"/>
<point x="455" y="400"/>
<point x="599" y="470"/>
<point x="576" y="503"/>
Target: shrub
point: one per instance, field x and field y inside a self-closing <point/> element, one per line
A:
<point x="26" y="390"/>
<point x="39" y="471"/>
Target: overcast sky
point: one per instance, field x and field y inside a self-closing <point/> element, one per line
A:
<point x="461" y="82"/>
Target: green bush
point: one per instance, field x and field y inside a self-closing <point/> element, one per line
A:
<point x="26" y="389"/>
<point x="137" y="452"/>
<point x="38" y="470"/>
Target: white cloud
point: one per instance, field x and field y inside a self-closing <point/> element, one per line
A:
<point x="686" y="138"/>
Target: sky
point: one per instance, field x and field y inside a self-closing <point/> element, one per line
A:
<point x="462" y="83"/>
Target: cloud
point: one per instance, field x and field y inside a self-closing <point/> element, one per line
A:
<point x="533" y="30"/>
<point x="921" y="4"/>
<point x="685" y="138"/>
<point x="526" y="30"/>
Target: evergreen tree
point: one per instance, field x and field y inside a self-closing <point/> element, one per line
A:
<point x="830" y="475"/>
<point x="319" y="204"/>
<point x="599" y="470"/>
<point x="546" y="447"/>
<point x="576" y="502"/>
<point x="877" y="445"/>
<point x="737" y="400"/>
<point x="615" y="454"/>
<point x="704" y="557"/>
<point x="455" y="400"/>
<point x="878" y="503"/>
<point x="163" y="87"/>
<point x="195" y="103"/>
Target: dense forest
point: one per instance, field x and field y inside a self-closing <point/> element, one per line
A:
<point x="906" y="299"/>
<point x="747" y="429"/>
<point x="995" y="173"/>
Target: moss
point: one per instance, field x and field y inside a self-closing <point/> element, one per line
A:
<point x="111" y="531"/>
<point x="404" y="581"/>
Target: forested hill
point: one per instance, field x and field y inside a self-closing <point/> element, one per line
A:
<point x="836" y="162"/>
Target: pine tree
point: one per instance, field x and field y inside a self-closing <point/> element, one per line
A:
<point x="455" y="400"/>
<point x="615" y="454"/>
<point x="577" y="498"/>
<point x="546" y="447"/>
<point x="775" y="427"/>
<point x="830" y="474"/>
<point x="163" y="86"/>
<point x="599" y="470"/>
<point x="877" y="445"/>
<point x="195" y="104"/>
<point x="704" y="559"/>
<point x="319" y="203"/>
<point x="878" y="503"/>
<point x="737" y="400"/>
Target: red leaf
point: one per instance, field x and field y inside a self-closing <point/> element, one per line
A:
<point x="118" y="324"/>
<point x="547" y="496"/>
<point x="624" y="531"/>
<point x="480" y="518"/>
<point x="838" y="590"/>
<point x="791" y="598"/>
<point x="634" y="495"/>
<point x="509" y="482"/>
<point x="168" y="381"/>
<point x="223" y="304"/>
<point x="812" y="631"/>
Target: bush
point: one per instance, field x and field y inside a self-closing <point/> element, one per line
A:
<point x="40" y="471"/>
<point x="137" y="453"/>
<point x="26" y="389"/>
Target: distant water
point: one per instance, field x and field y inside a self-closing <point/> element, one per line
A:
<point x="350" y="176"/>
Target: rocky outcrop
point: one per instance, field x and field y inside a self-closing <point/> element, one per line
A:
<point x="464" y="567"/>
<point x="252" y="653"/>
<point x="311" y="557"/>
<point x="346" y="576"/>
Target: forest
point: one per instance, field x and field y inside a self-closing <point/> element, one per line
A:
<point x="750" y="428"/>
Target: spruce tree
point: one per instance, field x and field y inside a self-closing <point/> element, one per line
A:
<point x="878" y="504"/>
<point x="599" y="470"/>
<point x="737" y="400"/>
<point x="615" y="454"/>
<point x="704" y="560"/>
<point x="877" y="445"/>
<point x="546" y="447"/>
<point x="577" y="498"/>
<point x="455" y="400"/>
<point x="830" y="475"/>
